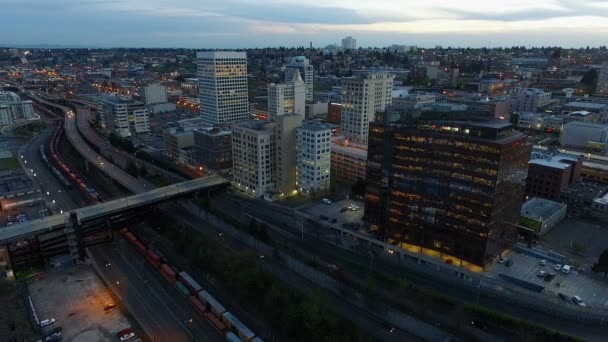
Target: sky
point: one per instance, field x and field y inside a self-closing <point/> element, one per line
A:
<point x="271" y="23"/>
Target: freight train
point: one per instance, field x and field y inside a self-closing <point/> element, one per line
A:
<point x="203" y="302"/>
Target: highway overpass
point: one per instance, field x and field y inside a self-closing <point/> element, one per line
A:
<point x="21" y="231"/>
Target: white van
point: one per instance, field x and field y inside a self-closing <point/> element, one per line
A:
<point x="566" y="269"/>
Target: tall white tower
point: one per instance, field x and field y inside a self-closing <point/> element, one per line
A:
<point x="301" y="64"/>
<point x="222" y="86"/>
<point x="287" y="98"/>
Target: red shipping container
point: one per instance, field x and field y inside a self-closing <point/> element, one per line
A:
<point x="198" y="305"/>
<point x="167" y="272"/>
<point x="123" y="231"/>
<point x="132" y="239"/>
<point x="153" y="259"/>
<point x="216" y="323"/>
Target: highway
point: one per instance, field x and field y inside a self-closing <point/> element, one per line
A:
<point x="33" y="227"/>
<point x="129" y="182"/>
<point x="119" y="157"/>
<point x="161" y="311"/>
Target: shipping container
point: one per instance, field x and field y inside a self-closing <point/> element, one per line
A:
<point x="153" y="259"/>
<point x="234" y="324"/>
<point x="132" y="239"/>
<point x="213" y="304"/>
<point x="198" y="305"/>
<point x="181" y="288"/>
<point x="124" y="231"/>
<point x="231" y="337"/>
<point x="167" y="272"/>
<point x="216" y="323"/>
<point x="189" y="282"/>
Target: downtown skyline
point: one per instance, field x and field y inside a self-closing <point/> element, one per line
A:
<point x="269" y="23"/>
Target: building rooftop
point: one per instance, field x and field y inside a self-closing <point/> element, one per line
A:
<point x="553" y="159"/>
<point x="317" y="125"/>
<point x="602" y="199"/>
<point x="540" y="208"/>
<point x="341" y="145"/>
<point x="584" y="192"/>
<point x="588" y="105"/>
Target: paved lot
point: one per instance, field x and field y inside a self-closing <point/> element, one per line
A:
<point x="76" y="298"/>
<point x="592" y="235"/>
<point x="334" y="211"/>
<point x="525" y="267"/>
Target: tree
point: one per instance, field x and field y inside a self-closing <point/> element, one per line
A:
<point x="602" y="263"/>
<point x="132" y="169"/>
<point x="578" y="248"/>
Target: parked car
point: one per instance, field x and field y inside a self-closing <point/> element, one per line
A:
<point x="326" y="201"/>
<point x="563" y="297"/>
<point x="549" y="277"/>
<point x="557" y="267"/>
<point x="109" y="306"/>
<point x="509" y="263"/>
<point x="543" y="262"/>
<point x="501" y="260"/>
<point x="127" y="336"/>
<point x="566" y="269"/>
<point x="578" y="301"/>
<point x="541" y="273"/>
<point x="344" y="209"/>
<point x="56" y="330"/>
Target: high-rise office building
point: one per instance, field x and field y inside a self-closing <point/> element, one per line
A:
<point x="313" y="156"/>
<point x="222" y="86"/>
<point x="362" y="98"/>
<point x="349" y="43"/>
<point x="447" y="189"/>
<point x="287" y="98"/>
<point x="301" y="64"/>
<point x="123" y="116"/>
<point x="602" y="80"/>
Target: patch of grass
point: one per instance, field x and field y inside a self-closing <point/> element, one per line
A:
<point x="8" y="164"/>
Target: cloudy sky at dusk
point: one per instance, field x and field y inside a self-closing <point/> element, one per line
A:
<point x="260" y="23"/>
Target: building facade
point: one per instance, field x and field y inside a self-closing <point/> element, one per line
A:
<point x="306" y="70"/>
<point x="286" y="126"/>
<point x="348" y="161"/>
<point x="222" y="83"/>
<point x="254" y="157"/>
<point x="313" y="152"/>
<point x="176" y="139"/>
<point x="362" y="98"/>
<point x="284" y="99"/>
<point x="213" y="149"/>
<point x="550" y="173"/>
<point x="349" y="43"/>
<point x="123" y="116"/>
<point x="585" y="135"/>
<point x="446" y="189"/>
<point x="602" y="80"/>
<point x="529" y="99"/>
<point x="155" y="93"/>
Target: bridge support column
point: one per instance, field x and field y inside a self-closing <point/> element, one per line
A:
<point x="74" y="236"/>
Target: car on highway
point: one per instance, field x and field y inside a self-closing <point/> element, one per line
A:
<point x="109" y="306"/>
<point x="326" y="201"/>
<point x="557" y="267"/>
<point x="127" y="336"/>
<point x="541" y="273"/>
<point x="578" y="301"/>
<point x="480" y="325"/>
<point x="107" y="263"/>
<point x="46" y="322"/>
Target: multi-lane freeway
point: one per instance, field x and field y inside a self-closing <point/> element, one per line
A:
<point x="161" y="311"/>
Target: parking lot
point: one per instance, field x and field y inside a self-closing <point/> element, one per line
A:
<point x="526" y="267"/>
<point x="592" y="236"/>
<point x="76" y="298"/>
<point x="338" y="211"/>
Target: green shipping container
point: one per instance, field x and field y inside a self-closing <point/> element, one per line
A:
<point x="181" y="288"/>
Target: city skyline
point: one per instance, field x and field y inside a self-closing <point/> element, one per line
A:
<point x="240" y="24"/>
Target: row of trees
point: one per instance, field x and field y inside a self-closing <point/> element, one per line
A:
<point x="296" y="316"/>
